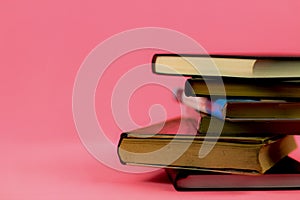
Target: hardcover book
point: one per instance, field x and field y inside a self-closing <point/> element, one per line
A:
<point x="284" y="175"/>
<point x="250" y="126"/>
<point x="227" y="65"/>
<point x="241" y="108"/>
<point x="174" y="144"/>
<point x="243" y="88"/>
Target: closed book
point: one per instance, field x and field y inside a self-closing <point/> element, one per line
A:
<point x="250" y="66"/>
<point x="241" y="108"/>
<point x="251" y="126"/>
<point x="175" y="146"/>
<point x="284" y="175"/>
<point x="243" y="88"/>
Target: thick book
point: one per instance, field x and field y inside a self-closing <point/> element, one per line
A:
<point x="241" y="108"/>
<point x="173" y="145"/>
<point x="251" y="126"/>
<point x="243" y="88"/>
<point x="284" y="175"/>
<point x="227" y="65"/>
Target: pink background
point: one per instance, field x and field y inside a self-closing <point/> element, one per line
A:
<point x="42" y="45"/>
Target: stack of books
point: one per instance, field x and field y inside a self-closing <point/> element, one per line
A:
<point x="246" y="133"/>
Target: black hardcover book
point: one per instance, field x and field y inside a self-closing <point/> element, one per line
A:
<point x="243" y="88"/>
<point x="285" y="175"/>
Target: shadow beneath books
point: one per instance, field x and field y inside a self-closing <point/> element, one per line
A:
<point x="159" y="177"/>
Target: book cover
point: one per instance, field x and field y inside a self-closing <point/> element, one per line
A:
<point x="227" y="65"/>
<point x="241" y="108"/>
<point x="250" y="126"/>
<point x="243" y="89"/>
<point x="160" y="148"/>
<point x="284" y="175"/>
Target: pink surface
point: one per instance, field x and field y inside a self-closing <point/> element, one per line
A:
<point x="42" y="45"/>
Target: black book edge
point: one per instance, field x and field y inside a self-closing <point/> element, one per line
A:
<point x="238" y="56"/>
<point x="122" y="136"/>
